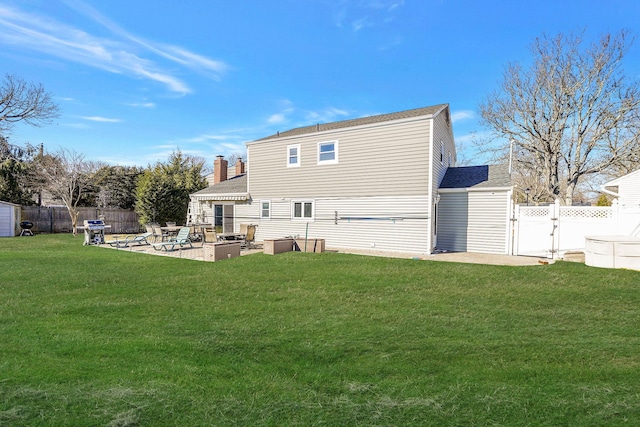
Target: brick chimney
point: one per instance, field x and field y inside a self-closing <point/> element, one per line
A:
<point x="220" y="166"/>
<point x="239" y="167"/>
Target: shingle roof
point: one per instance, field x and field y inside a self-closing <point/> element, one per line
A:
<point x="235" y="186"/>
<point x="425" y="111"/>
<point x="485" y="176"/>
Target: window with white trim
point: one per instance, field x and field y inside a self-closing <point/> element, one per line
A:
<point x="265" y="209"/>
<point x="441" y="152"/>
<point x="327" y="152"/>
<point x="302" y="209"/>
<point x="293" y="156"/>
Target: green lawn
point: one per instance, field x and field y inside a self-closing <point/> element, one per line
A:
<point x="92" y="336"/>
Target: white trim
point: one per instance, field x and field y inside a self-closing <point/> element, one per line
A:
<point x="261" y="210"/>
<point x="470" y="190"/>
<point x="297" y="147"/>
<point x="335" y="153"/>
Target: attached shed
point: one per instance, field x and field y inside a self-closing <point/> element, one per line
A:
<point x="9" y="219"/>
<point x="474" y="210"/>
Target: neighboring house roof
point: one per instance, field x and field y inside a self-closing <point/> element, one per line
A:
<point x="232" y="189"/>
<point x="486" y="176"/>
<point x="320" y="127"/>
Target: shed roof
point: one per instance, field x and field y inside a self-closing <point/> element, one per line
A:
<point x="320" y="127"/>
<point x="232" y="189"/>
<point x="485" y="176"/>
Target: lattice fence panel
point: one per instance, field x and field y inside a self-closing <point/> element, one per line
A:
<point x="534" y="211"/>
<point x="585" y="212"/>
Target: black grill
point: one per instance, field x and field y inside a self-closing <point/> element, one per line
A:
<point x="26" y="228"/>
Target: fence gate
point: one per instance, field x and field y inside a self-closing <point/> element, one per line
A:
<point x="533" y="230"/>
<point x="550" y="231"/>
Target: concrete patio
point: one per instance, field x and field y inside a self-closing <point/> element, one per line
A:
<point x="197" y="253"/>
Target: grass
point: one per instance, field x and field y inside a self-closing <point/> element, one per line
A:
<point x="102" y="337"/>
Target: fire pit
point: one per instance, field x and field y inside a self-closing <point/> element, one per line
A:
<point x="26" y="228"/>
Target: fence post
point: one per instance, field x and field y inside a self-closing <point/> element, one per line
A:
<point x="615" y="214"/>
<point x="554" y="217"/>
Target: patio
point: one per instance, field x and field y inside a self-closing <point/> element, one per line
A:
<point x="197" y="253"/>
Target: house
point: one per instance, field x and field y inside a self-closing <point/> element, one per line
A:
<point x="369" y="183"/>
<point x="216" y="203"/>
<point x="626" y="189"/>
<point x="9" y="219"/>
<point x="474" y="213"/>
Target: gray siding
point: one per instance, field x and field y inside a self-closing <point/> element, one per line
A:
<point x="381" y="223"/>
<point x="475" y="221"/>
<point x="369" y="161"/>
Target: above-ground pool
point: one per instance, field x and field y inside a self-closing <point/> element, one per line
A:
<point x="612" y="252"/>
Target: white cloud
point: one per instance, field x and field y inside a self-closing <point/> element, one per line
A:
<point x="361" y="23"/>
<point x="276" y="119"/>
<point x="457" y="116"/>
<point x="119" y="54"/>
<point x="327" y="115"/>
<point x="101" y="119"/>
<point x="206" y="137"/>
<point x="142" y="105"/>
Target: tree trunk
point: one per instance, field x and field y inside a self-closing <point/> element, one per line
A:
<point x="73" y="213"/>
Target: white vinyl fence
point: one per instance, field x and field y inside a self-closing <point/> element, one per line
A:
<point x="551" y="231"/>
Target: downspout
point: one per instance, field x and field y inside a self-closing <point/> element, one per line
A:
<point x="430" y="213"/>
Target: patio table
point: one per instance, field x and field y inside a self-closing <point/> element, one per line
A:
<point x="231" y="236"/>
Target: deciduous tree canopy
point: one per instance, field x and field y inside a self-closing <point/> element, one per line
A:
<point x="22" y="101"/>
<point x="570" y="115"/>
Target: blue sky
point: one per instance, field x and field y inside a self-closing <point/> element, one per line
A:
<point x="136" y="80"/>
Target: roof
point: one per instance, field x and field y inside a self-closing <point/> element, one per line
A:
<point x="234" y="188"/>
<point x="485" y="176"/>
<point x="320" y="127"/>
<point x="626" y="177"/>
<point x="8" y="203"/>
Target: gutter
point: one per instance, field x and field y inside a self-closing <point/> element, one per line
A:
<point x="609" y="192"/>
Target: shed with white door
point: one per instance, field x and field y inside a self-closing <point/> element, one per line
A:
<point x="9" y="219"/>
<point x="474" y="210"/>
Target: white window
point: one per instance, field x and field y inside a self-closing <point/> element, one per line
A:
<point x="293" y="156"/>
<point x="327" y="152"/>
<point x="441" y="153"/>
<point x="265" y="209"/>
<point x="302" y="209"/>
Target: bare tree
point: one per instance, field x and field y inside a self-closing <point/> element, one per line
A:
<point x="22" y="101"/>
<point x="68" y="177"/>
<point x="571" y="115"/>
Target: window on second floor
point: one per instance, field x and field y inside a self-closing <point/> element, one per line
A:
<point x="327" y="152"/>
<point x="293" y="156"/>
<point x="441" y="152"/>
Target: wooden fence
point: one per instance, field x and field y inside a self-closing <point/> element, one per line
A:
<point x="55" y="219"/>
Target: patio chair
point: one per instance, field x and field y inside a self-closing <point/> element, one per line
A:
<point x="140" y="239"/>
<point x="158" y="233"/>
<point x="180" y="240"/>
<point x="249" y="236"/>
<point x="210" y="235"/>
